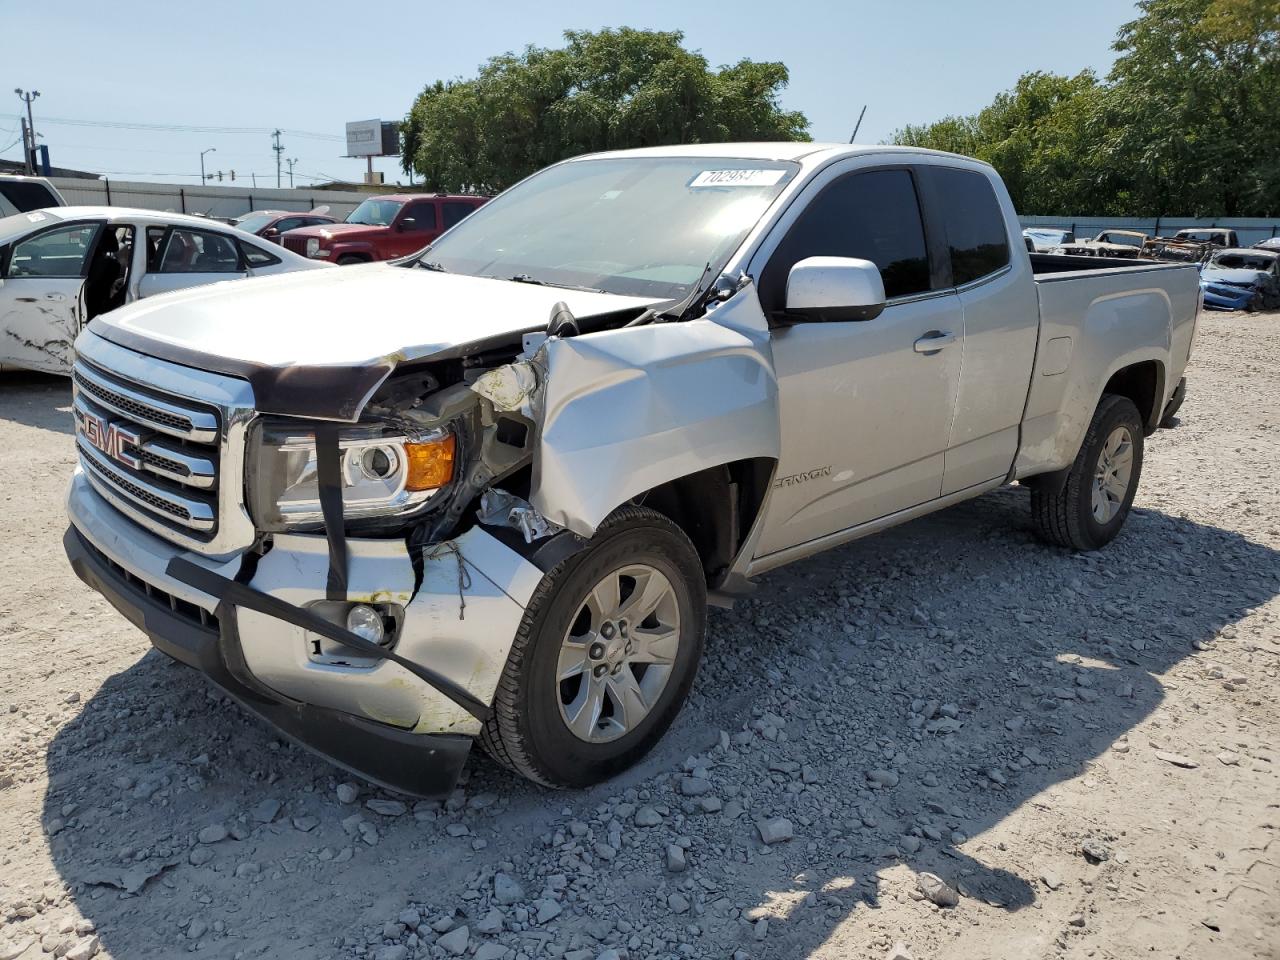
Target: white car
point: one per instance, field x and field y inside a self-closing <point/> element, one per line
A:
<point x="61" y="267"/>
<point x="1048" y="239"/>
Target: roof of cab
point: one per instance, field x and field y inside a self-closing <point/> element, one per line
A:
<point x="780" y="150"/>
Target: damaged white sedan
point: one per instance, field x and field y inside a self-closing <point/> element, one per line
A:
<point x="61" y="267"/>
<point x="486" y="492"/>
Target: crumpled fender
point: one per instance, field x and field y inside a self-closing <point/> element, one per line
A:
<point x="623" y="411"/>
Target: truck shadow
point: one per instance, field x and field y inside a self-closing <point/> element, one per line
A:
<point x="840" y="665"/>
<point x="37" y="400"/>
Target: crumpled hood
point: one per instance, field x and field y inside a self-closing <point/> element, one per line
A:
<point x="318" y="342"/>
<point x="1233" y="275"/>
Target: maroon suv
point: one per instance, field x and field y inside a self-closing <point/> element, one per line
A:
<point x="383" y="228"/>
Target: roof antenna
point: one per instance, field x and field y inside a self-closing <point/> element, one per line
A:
<point x="858" y="124"/>
<point x="562" y="322"/>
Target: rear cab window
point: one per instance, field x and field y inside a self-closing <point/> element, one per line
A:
<point x="977" y="240"/>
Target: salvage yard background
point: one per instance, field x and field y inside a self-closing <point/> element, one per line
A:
<point x="1081" y="746"/>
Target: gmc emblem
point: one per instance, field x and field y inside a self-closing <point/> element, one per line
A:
<point x="111" y="439"/>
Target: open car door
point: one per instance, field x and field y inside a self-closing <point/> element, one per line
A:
<point x="42" y="282"/>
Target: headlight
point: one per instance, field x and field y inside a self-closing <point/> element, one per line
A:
<point x="313" y="246"/>
<point x="383" y="474"/>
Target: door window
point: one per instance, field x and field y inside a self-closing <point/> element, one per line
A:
<point x="455" y="211"/>
<point x="257" y="257"/>
<point x="195" y="251"/>
<point x="291" y="223"/>
<point x="55" y="253"/>
<point x="424" y="216"/>
<point x="873" y="216"/>
<point x="974" y="224"/>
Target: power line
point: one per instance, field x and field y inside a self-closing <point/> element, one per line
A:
<point x="180" y="127"/>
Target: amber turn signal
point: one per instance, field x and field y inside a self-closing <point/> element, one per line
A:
<point x="430" y="464"/>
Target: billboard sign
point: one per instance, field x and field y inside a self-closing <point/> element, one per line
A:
<point x="364" y="138"/>
<point x="372" y="138"/>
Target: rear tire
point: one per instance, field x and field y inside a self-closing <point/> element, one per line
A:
<point x="592" y="684"/>
<point x="1093" y="504"/>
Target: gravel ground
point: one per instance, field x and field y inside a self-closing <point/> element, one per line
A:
<point x="945" y="741"/>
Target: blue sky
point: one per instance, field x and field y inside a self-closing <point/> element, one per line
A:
<point x="310" y="67"/>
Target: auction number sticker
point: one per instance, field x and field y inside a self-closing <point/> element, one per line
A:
<point x="737" y="178"/>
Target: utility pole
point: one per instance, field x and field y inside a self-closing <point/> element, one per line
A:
<point x="30" y="152"/>
<point x="291" y="162"/>
<point x="279" y="149"/>
<point x="202" y="153"/>
<point x="858" y="124"/>
<point x="26" y="146"/>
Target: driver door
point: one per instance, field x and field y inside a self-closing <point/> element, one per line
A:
<point x="865" y="405"/>
<point x="409" y="238"/>
<point x="41" y="297"/>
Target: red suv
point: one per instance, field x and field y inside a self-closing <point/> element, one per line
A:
<point x="383" y="228"/>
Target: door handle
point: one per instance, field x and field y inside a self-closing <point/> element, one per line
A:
<point x="933" y="341"/>
<point x="55" y="297"/>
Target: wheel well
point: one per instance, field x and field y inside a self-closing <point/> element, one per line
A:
<point x="1143" y="383"/>
<point x="715" y="508"/>
<point x="362" y="257"/>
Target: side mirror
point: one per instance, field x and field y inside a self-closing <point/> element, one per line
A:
<point x="834" y="288"/>
<point x="408" y="223"/>
<point x="271" y="232"/>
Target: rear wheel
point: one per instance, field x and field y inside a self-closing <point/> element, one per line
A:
<point x="605" y="655"/>
<point x="1093" y="504"/>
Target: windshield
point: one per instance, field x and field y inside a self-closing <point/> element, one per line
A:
<point x="1241" y="261"/>
<point x="641" y="226"/>
<point x="375" y="213"/>
<point x="253" y="222"/>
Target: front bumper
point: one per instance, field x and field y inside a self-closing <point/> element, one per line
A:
<point x="373" y="717"/>
<point x="413" y="763"/>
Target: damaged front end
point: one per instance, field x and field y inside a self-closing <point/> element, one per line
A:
<point x="398" y="536"/>
<point x="393" y="564"/>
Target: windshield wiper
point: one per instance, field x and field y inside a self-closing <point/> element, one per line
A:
<point x="432" y="265"/>
<point x="525" y="278"/>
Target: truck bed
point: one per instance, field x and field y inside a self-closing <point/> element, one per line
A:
<point x="1051" y="265"/>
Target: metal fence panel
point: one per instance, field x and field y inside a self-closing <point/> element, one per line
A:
<point x="220" y="201"/>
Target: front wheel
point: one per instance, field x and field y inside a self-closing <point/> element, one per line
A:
<point x="604" y="656"/>
<point x="1091" y="507"/>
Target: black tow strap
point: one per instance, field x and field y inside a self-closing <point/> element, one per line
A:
<point x="329" y="479"/>
<point x="242" y="595"/>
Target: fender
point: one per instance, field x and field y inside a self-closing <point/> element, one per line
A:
<point x="354" y="246"/>
<point x="623" y="411"/>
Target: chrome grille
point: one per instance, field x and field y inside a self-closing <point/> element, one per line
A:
<point x="153" y="456"/>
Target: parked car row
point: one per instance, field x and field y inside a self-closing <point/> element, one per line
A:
<point x="1232" y="277"/>
<point x="63" y="266"/>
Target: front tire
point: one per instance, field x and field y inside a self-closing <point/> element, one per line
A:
<point x="604" y="657"/>
<point x="1091" y="507"/>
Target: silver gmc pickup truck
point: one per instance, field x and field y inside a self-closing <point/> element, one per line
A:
<point x="487" y="491"/>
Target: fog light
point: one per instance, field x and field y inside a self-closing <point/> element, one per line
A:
<point x="366" y="622"/>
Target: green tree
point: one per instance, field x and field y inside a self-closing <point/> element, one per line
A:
<point x="602" y="91"/>
<point x="1186" y="122"/>
<point x="1196" y="92"/>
